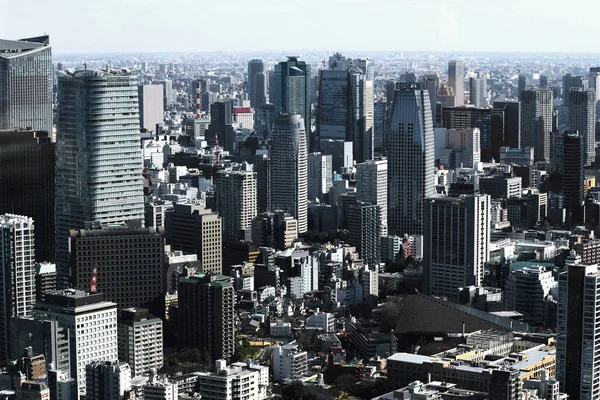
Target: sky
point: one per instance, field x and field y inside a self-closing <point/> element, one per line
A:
<point x="125" y="26"/>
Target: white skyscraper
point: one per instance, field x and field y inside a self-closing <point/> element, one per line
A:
<point x="99" y="159"/>
<point x="92" y="325"/>
<point x="372" y="187"/>
<point x="17" y="259"/>
<point x="289" y="169"/>
<point x="236" y="203"/>
<point x="319" y="175"/>
<point x="152" y="106"/>
<point x="411" y="163"/>
<point x="456" y="236"/>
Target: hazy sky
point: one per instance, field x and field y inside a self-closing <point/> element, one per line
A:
<point x="77" y="26"/>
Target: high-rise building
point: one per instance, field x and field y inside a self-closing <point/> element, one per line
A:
<point x="431" y="82"/>
<point x="372" y="187"/>
<point x="206" y="315"/>
<point x="577" y="362"/>
<point x="521" y="84"/>
<point x="582" y="118"/>
<point x="536" y="121"/>
<point x="141" y="250"/>
<point x="594" y="81"/>
<point x="98" y="156"/>
<point x="568" y="171"/>
<point x="91" y="323"/>
<point x="364" y="226"/>
<point x="256" y="93"/>
<point x="17" y="261"/>
<point x="140" y="340"/>
<point x="489" y="121"/>
<point x="512" y="122"/>
<point x="456" y="80"/>
<point x="320" y="175"/>
<point x="527" y="291"/>
<point x="264" y="118"/>
<point x="27" y="160"/>
<point x="192" y="228"/>
<point x="477" y="92"/>
<point x="262" y="167"/>
<point x="236" y="194"/>
<point x="456" y="243"/>
<point x="26" y="76"/>
<point x="346" y="104"/>
<point x="291" y="93"/>
<point x="221" y="124"/>
<point x="151" y="106"/>
<point x="45" y="279"/>
<point x="379" y="133"/>
<point x="411" y="162"/>
<point x="107" y="380"/>
<point x="462" y="148"/>
<point x="289" y="168"/>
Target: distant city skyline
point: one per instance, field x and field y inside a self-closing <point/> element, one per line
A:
<point x="420" y="25"/>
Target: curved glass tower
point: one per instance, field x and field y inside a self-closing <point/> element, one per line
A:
<point x="411" y="161"/>
<point x="26" y="84"/>
<point x="289" y="168"/>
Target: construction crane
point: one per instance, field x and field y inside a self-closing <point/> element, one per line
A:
<point x="93" y="279"/>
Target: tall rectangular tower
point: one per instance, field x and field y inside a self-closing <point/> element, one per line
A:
<point x="236" y="203"/>
<point x="26" y="76"/>
<point x="456" y="80"/>
<point x="577" y="362"/>
<point x="536" y="121"/>
<point x="456" y="243"/>
<point x="99" y="159"/>
<point x="582" y="118"/>
<point x="17" y="262"/>
<point x="151" y="106"/>
<point x="27" y="162"/>
<point x="206" y="315"/>
<point x="372" y="187"/>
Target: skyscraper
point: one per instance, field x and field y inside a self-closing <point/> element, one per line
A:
<point x="594" y="81"/>
<point x="236" y="203"/>
<point x="477" y="92"/>
<point x="221" y="120"/>
<point x="106" y="380"/>
<point x="291" y="92"/>
<point x="346" y="104"/>
<point x="256" y="67"/>
<point x="577" y="362"/>
<point x="319" y="175"/>
<point x="140" y="340"/>
<point x="206" y="315"/>
<point x="364" y="223"/>
<point x="567" y="171"/>
<point x="455" y="239"/>
<point x="140" y="249"/>
<point x="17" y="262"/>
<point x="536" y="121"/>
<point x="26" y="76"/>
<point x="92" y="325"/>
<point x="372" y="187"/>
<point x="456" y="80"/>
<point x="411" y="161"/>
<point x="27" y="162"/>
<point x="151" y="106"/>
<point x="194" y="229"/>
<point x="582" y="118"/>
<point x="521" y="84"/>
<point x="289" y="168"/>
<point x="99" y="160"/>
<point x="262" y="166"/>
<point x="512" y="122"/>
